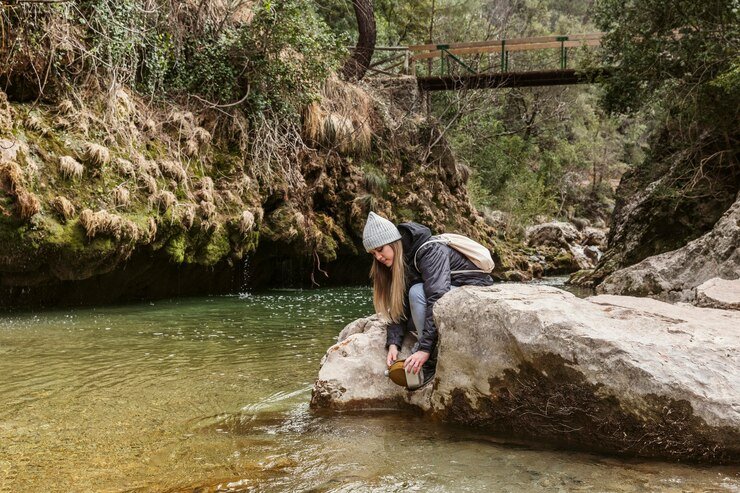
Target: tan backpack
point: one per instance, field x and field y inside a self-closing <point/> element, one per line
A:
<point x="473" y="251"/>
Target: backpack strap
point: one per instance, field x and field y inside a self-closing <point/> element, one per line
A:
<point x="446" y="242"/>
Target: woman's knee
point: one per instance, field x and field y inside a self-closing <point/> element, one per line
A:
<point x="416" y="294"/>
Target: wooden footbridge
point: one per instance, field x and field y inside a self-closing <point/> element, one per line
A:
<point x="491" y="64"/>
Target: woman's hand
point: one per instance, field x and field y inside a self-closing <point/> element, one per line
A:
<point x="414" y="362"/>
<point x="392" y="354"/>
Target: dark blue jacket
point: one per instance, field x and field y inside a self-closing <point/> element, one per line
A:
<point x="435" y="261"/>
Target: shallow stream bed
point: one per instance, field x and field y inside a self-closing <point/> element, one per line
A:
<point x="211" y="394"/>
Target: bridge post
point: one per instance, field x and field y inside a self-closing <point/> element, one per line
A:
<point x="504" y="56"/>
<point x="563" y="52"/>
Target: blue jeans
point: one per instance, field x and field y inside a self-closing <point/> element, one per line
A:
<point x="418" y="307"/>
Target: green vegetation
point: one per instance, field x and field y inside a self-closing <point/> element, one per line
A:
<point x="681" y="65"/>
<point x="195" y="128"/>
<point x="537" y="152"/>
<point x="274" y="55"/>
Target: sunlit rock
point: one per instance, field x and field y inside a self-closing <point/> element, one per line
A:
<point x="609" y="373"/>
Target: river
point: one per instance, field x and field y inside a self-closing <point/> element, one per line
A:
<point x="211" y="394"/>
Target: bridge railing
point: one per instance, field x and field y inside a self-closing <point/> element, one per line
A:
<point x="473" y="58"/>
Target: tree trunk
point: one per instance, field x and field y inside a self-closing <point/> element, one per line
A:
<point x="356" y="66"/>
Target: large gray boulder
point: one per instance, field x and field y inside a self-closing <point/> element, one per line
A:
<point x="609" y="373"/>
<point x="674" y="276"/>
<point x="564" y="247"/>
<point x="352" y="372"/>
<point x="554" y="233"/>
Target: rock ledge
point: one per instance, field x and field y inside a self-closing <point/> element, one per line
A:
<point x="614" y="374"/>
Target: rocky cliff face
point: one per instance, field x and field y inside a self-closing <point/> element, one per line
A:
<point x="188" y="200"/>
<point x="617" y="374"/>
<point x="662" y="206"/>
<point x="675" y="275"/>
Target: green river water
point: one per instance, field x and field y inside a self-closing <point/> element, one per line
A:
<point x="211" y="394"/>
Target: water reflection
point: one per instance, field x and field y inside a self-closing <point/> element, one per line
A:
<point x="210" y="394"/>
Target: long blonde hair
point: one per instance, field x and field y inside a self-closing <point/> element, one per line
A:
<point x="389" y="286"/>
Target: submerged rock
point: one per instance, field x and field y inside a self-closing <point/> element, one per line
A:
<point x="615" y="374"/>
<point x="673" y="276"/>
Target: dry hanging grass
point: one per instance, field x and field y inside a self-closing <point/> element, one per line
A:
<point x="64" y="207"/>
<point x="207" y="210"/>
<point x="125" y="168"/>
<point x="206" y="183"/>
<point x="121" y="196"/>
<point x="181" y="122"/>
<point x="191" y="148"/>
<point x="70" y="167"/>
<point x="11" y="179"/>
<point x="201" y="136"/>
<point x="313" y="121"/>
<point x="6" y="113"/>
<point x="61" y="123"/>
<point x="245" y="224"/>
<point x="205" y="189"/>
<point x="338" y="132"/>
<point x="35" y="124"/>
<point x="143" y="165"/>
<point x="65" y="107"/>
<point x="342" y="119"/>
<point x="11" y="176"/>
<point x="186" y="215"/>
<point x="151" y="232"/>
<point x="229" y="197"/>
<point x="120" y="104"/>
<point x="165" y="200"/>
<point x="148" y="183"/>
<point x="90" y="222"/>
<point x="105" y="223"/>
<point x="96" y="154"/>
<point x="173" y="170"/>
<point x="28" y="204"/>
<point x="150" y="127"/>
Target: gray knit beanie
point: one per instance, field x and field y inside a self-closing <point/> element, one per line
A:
<point x="378" y="231"/>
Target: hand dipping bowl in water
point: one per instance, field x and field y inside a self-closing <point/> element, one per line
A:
<point x="404" y="378"/>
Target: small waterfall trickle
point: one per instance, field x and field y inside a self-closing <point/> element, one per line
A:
<point x="246" y="277"/>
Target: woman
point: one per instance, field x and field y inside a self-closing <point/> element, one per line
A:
<point x="410" y="273"/>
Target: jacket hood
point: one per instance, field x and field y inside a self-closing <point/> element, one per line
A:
<point x="413" y="235"/>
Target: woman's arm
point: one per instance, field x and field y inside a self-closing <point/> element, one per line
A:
<point x="394" y="335"/>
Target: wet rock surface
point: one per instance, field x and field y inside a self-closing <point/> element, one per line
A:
<point x="352" y="372"/>
<point x="614" y="374"/>
<point x="674" y="276"/>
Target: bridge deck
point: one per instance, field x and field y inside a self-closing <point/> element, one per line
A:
<point x="510" y="79"/>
